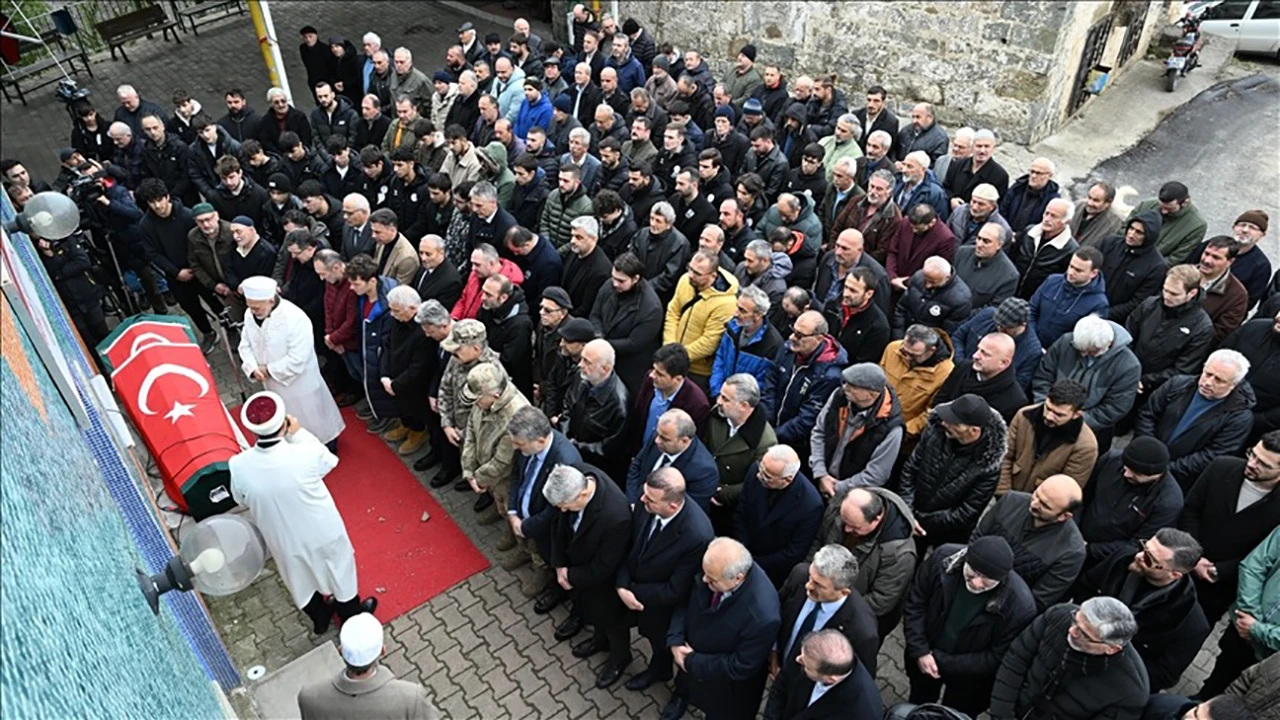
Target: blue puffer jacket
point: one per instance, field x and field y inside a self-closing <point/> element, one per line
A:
<point x="795" y="393"/>
<point x="755" y="358"/>
<point x="374" y="331"/>
<point x="929" y="192"/>
<point x="1058" y="304"/>
<point x="1027" y="348"/>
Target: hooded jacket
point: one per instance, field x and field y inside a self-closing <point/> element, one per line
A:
<point x="804" y="256"/>
<point x="948" y="484"/>
<point x="790" y="141"/>
<point x="1169" y="341"/>
<point x="493" y="160"/>
<point x="1133" y="274"/>
<point x="886" y="557"/>
<point x="1111" y="379"/>
<point x="797" y="389"/>
<point x="696" y="319"/>
<point x="1037" y="451"/>
<point x="773" y="281"/>
<point x="917" y="385"/>
<point x="943" y="307"/>
<point x="1179" y="232"/>
<point x="1221" y="430"/>
<point x="1057" y="305"/>
<point x="753" y="355"/>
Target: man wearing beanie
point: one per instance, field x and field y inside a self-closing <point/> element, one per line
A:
<point x="745" y="78"/>
<point x="965" y="608"/>
<point x="1011" y="317"/>
<point x="1155" y="582"/>
<point x="858" y="434"/>
<point x="1252" y="269"/>
<point x="1129" y="496"/>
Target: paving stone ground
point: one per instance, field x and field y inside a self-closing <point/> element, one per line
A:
<point x="479" y="647"/>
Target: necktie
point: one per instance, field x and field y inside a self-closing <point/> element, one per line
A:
<point x="715" y="599"/>
<point x="655" y="527"/>
<point x="806" y="627"/>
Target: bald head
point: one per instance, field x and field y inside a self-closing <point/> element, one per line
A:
<point x="994" y="354"/>
<point x="1055" y="500"/>
<point x="725" y="564"/>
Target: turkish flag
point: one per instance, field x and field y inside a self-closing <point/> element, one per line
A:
<point x="166" y="387"/>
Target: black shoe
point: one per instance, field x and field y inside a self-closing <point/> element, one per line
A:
<point x="369" y="604"/>
<point x="568" y="628"/>
<point x="170" y="300"/>
<point x="422" y="465"/>
<point x="642" y="681"/>
<point x="550" y="599"/>
<point x="427" y="461"/>
<point x="209" y="343"/>
<point x="610" y="674"/>
<point x="461" y="485"/>
<point x="345" y="400"/>
<point x="440" y="480"/>
<point x="675" y="709"/>
<point x="483" y="503"/>
<point x="589" y="647"/>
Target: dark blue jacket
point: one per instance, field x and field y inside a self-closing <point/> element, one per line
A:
<point x="929" y="192"/>
<point x="793" y="394"/>
<point x="532" y="115"/>
<point x="1058" y="304"/>
<point x="1027" y="348"/>
<point x="731" y="642"/>
<point x="630" y="74"/>
<point x="755" y="358"/>
<point x="537" y="526"/>
<point x="375" y="328"/>
<point x="696" y="464"/>
<point x="542" y="268"/>
<point x="1011" y="203"/>
<point x="778" y="536"/>
<point x="661" y="573"/>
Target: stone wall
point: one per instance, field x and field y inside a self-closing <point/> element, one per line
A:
<point x="1007" y="65"/>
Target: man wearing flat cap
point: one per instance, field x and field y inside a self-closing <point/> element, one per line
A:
<point x="365" y="688"/>
<point x="281" y="480"/>
<point x="858" y="434"/>
<point x="277" y="349"/>
<point x="571" y="337"/>
<point x="965" y="608"/>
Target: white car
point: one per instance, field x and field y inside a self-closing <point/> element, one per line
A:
<point x="1253" y="24"/>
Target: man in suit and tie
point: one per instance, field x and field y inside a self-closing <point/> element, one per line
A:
<point x="589" y="541"/>
<point x="357" y="236"/>
<point x="489" y="221"/>
<point x="539" y="448"/>
<point x="779" y="512"/>
<point x="437" y="279"/>
<point x="819" y="596"/>
<point x="832" y="684"/>
<point x="668" y="537"/>
<point x="676" y="444"/>
<point x="720" y="639"/>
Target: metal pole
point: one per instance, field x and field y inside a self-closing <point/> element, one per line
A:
<point x="260" y="11"/>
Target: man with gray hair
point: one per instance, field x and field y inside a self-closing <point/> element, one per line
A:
<point x="407" y="80"/>
<point x="1044" y="248"/>
<point x="1074" y="661"/>
<point x="963" y="176"/>
<point x="737" y="436"/>
<point x="843" y="145"/>
<point x="961" y="149"/>
<point x="402" y="372"/>
<point x="990" y="274"/>
<point x="819" y="595"/>
<point x="829" y="681"/>
<point x="779" y="512"/>
<point x="762" y="268"/>
<point x="935" y="296"/>
<point x="282" y="118"/>
<point x="539" y="448"/>
<point x="586" y="268"/>
<point x="595" y="410"/>
<point x="668" y="537"/>
<point x="750" y="341"/>
<point x="434" y="321"/>
<point x="663" y="250"/>
<point x="133" y="108"/>
<point x="676" y="445"/>
<point x="1027" y="198"/>
<point x="806" y="371"/>
<point x="1200" y="418"/>
<point x="720" y="639"/>
<point x="589" y="541"/>
<point x="918" y="185"/>
<point x="1096" y="354"/>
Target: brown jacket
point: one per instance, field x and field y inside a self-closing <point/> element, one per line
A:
<point x="1021" y="470"/>
<point x="917" y="385"/>
<point x="879" y="230"/>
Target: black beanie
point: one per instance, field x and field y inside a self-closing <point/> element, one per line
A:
<point x="991" y="556"/>
<point x="1147" y="456"/>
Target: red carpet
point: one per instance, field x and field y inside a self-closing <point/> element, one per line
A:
<point x="400" y="560"/>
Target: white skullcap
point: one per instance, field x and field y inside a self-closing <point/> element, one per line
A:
<point x="361" y="640"/>
<point x="258" y="287"/>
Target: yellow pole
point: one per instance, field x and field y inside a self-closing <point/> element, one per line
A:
<point x="264" y="28"/>
<point x="595" y="8"/>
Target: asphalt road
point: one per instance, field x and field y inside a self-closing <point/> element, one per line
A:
<point x="1223" y="145"/>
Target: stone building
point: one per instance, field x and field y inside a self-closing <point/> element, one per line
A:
<point x="1019" y="67"/>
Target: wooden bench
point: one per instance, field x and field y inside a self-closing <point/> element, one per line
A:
<point x="138" y="24"/>
<point x="60" y="53"/>
<point x="206" y="12"/>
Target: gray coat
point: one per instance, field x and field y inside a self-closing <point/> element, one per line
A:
<point x="990" y="281"/>
<point x="1112" y="379"/>
<point x="381" y="697"/>
<point x="959" y="224"/>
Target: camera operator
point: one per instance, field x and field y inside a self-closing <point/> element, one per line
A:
<point x="165" y="229"/>
<point x="71" y="268"/>
<point x="72" y="166"/>
<point x="107" y="208"/>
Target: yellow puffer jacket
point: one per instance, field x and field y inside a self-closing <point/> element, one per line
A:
<point x="697" y="320"/>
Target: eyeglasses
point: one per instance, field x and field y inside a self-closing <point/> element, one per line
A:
<point x="550" y="310"/>
<point x="1040" y="173"/>
<point x="801" y="336"/>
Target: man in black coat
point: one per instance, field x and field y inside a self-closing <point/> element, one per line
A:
<point x="1230" y="518"/>
<point x="537" y="259"/>
<point x="539" y="450"/>
<point x="857" y="319"/>
<point x="628" y="313"/>
<point x="586" y="267"/>
<point x="437" y="279"/>
<point x="167" y="157"/>
<point x="935" y="297"/>
<point x="820" y="596"/>
<point x="506" y="317"/>
<point x="964" y="610"/>
<point x="164" y="231"/>
<point x="990" y="374"/>
<point x="778" y="513"/>
<point x="1134" y="269"/>
<point x="251" y="256"/>
<point x="720" y="640"/>
<point x="595" y="410"/>
<point x="1129" y="496"/>
<point x="1259" y="341"/>
<point x="589" y="541"/>
<point x="1199" y="419"/>
<point x="1156" y="585"/>
<point x="830" y="683"/>
<point x="669" y="534"/>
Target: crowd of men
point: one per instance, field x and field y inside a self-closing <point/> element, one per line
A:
<point x="757" y="374"/>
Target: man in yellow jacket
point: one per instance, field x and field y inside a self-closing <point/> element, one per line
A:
<point x="917" y="365"/>
<point x="705" y="300"/>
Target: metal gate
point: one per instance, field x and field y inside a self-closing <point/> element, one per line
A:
<point x="1137" y="12"/>
<point x="1094" y="45"/>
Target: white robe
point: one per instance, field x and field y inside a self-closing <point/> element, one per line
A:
<point x="283" y="486"/>
<point x="284" y="343"/>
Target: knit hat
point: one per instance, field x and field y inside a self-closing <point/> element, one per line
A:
<point x="558" y="296"/>
<point x="244" y="220"/>
<point x="752" y="107"/>
<point x="1257" y="217"/>
<point x="578" y="330"/>
<point x="1146" y="456"/>
<point x="202" y="209"/>
<point x="661" y="61"/>
<point x="991" y="556"/>
<point x="441" y="76"/>
<point x="725" y="111"/>
<point x="986" y="191"/>
<point x="867" y="376"/>
<point x="1012" y="313"/>
<point x="968" y="409"/>
<point x="630" y="26"/>
<point x="563" y="103"/>
<point x="748" y="51"/>
<point x="280" y="183"/>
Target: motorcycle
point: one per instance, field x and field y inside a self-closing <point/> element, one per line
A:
<point x="1186" y="53"/>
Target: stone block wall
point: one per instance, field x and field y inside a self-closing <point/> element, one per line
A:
<point x="1007" y="65"/>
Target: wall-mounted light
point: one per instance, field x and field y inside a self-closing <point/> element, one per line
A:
<point x="50" y="215"/>
<point x="222" y="555"/>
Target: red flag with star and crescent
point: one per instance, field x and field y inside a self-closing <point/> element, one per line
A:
<point x="165" y="386"/>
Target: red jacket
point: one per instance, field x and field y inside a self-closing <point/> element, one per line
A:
<point x="907" y="252"/>
<point x="340" y="314"/>
<point x="468" y="306"/>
